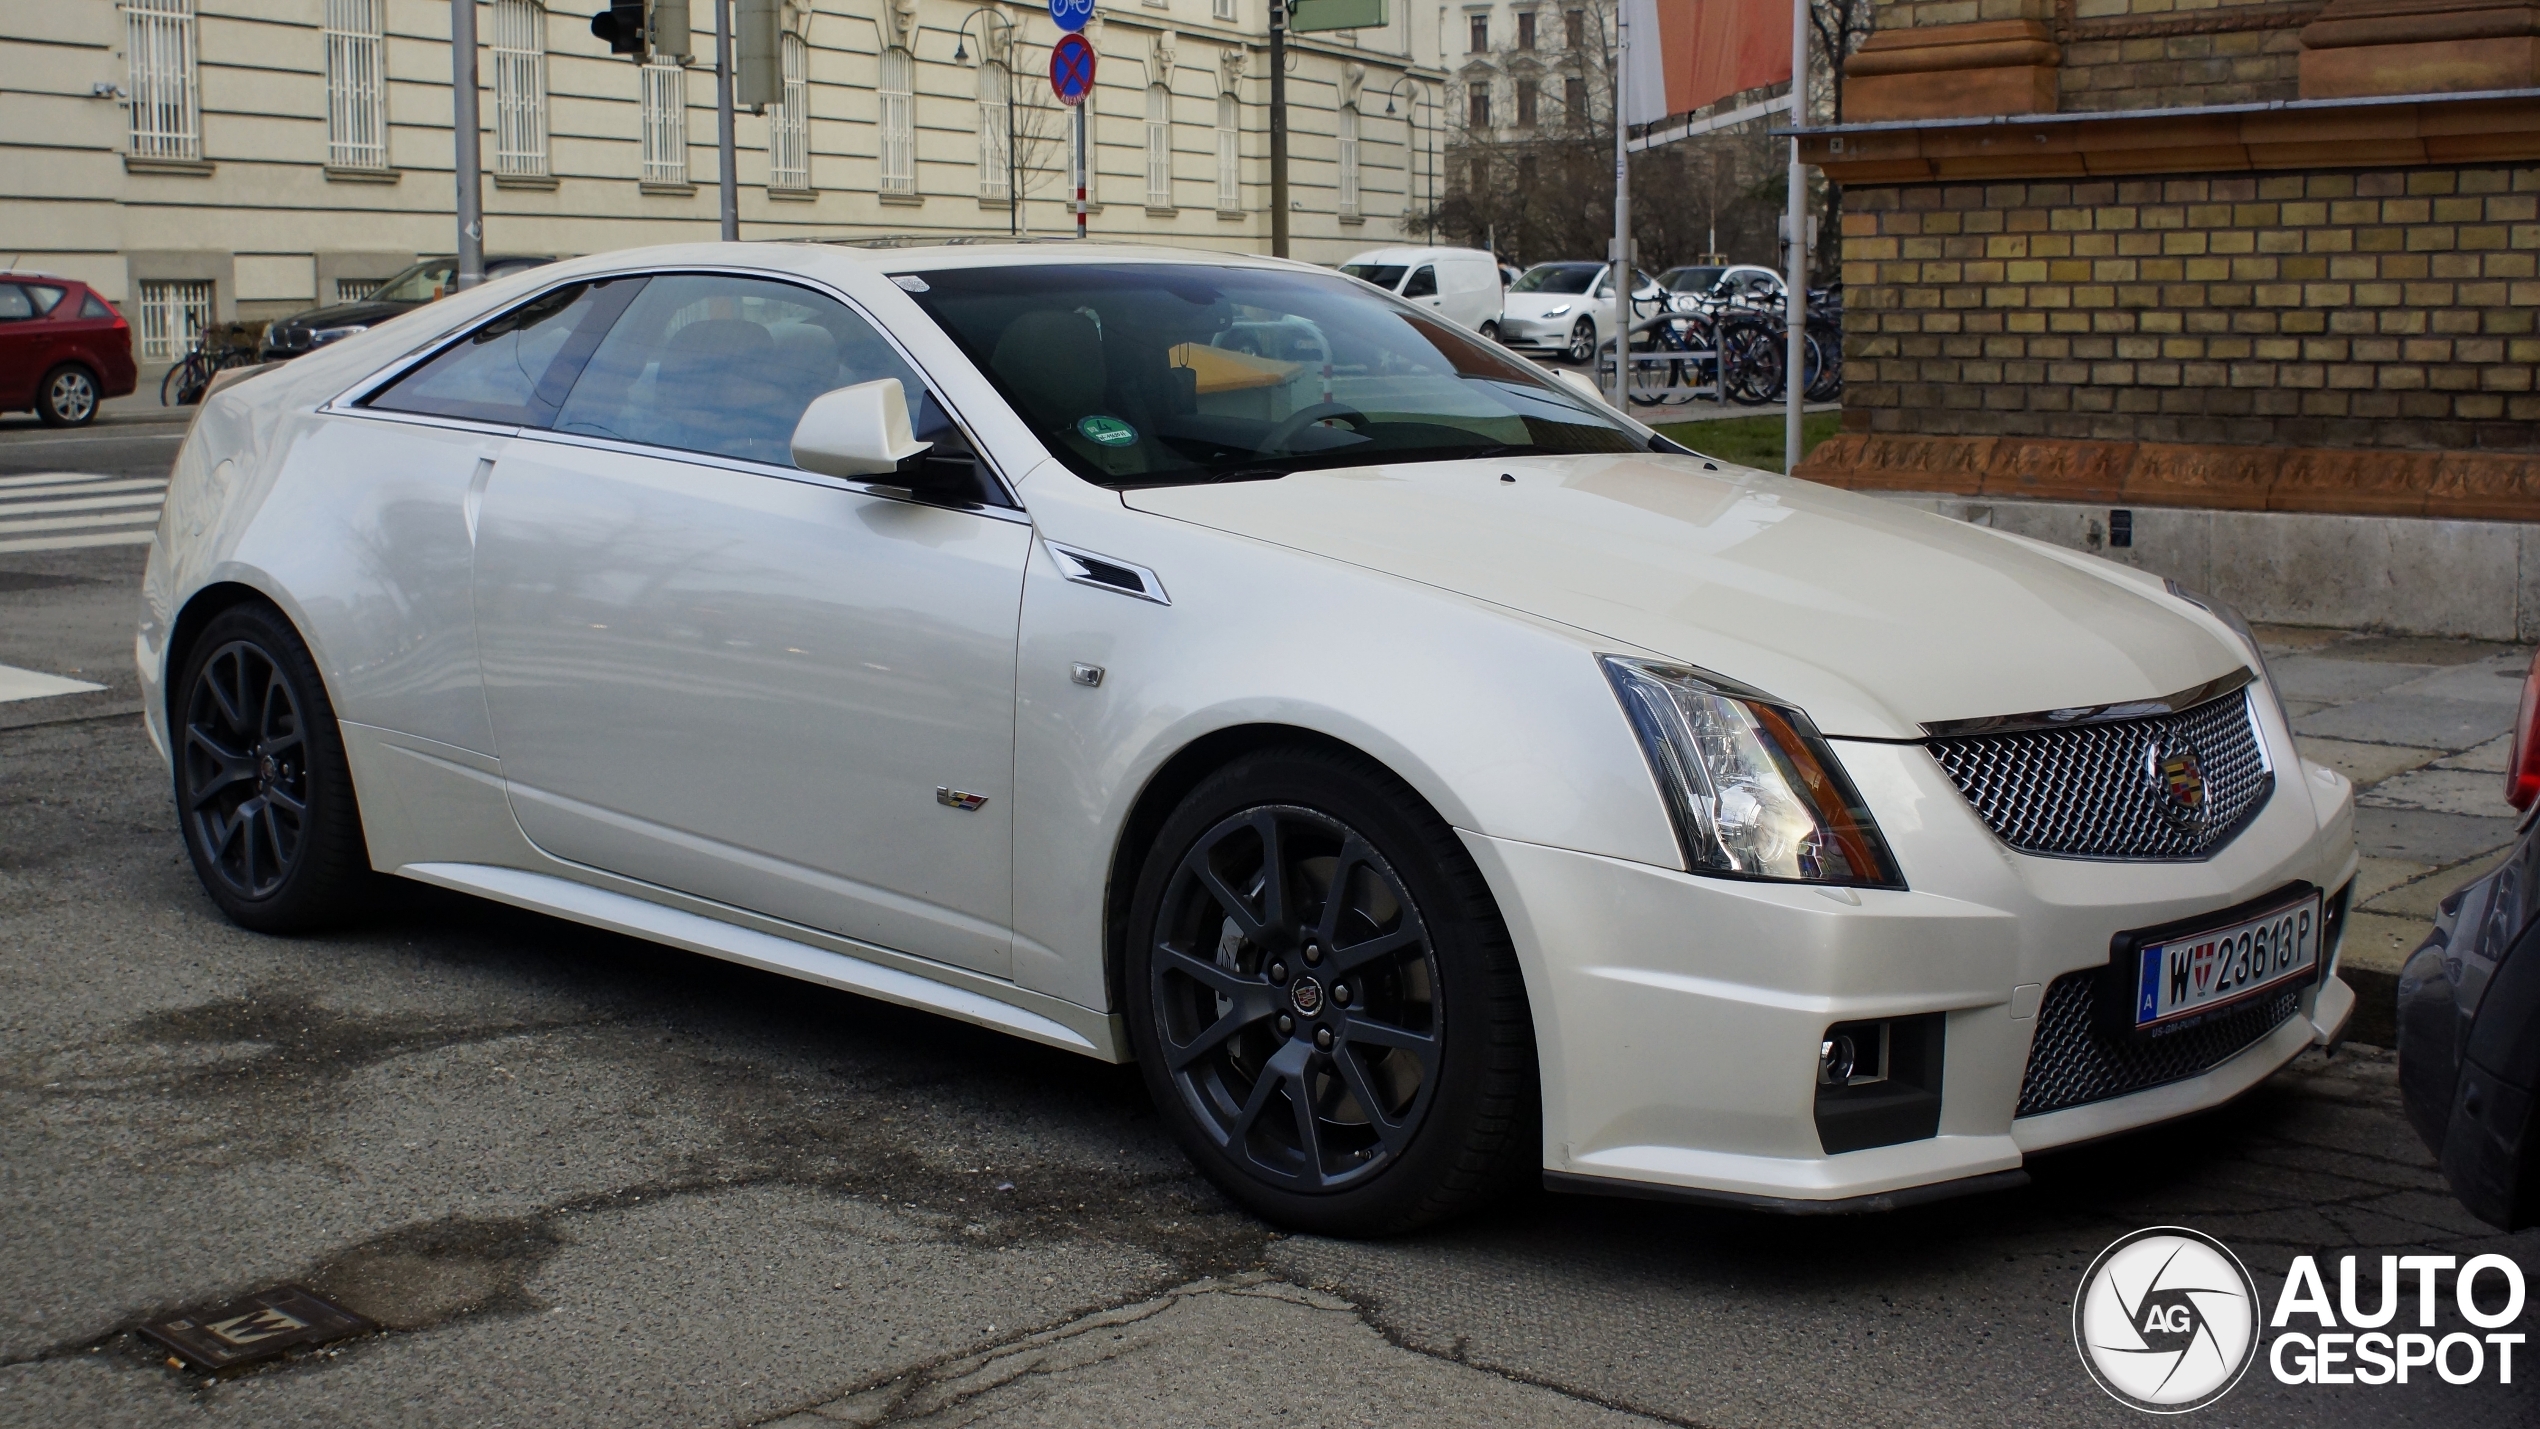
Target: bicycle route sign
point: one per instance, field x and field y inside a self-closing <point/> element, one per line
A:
<point x="1071" y="69"/>
<point x="1071" y="15"/>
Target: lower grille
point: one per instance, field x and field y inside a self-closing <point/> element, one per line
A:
<point x="2073" y="1062"/>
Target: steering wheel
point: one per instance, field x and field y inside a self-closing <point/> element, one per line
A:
<point x="1278" y="437"/>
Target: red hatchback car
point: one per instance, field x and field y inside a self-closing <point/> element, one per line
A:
<point x="63" y="349"/>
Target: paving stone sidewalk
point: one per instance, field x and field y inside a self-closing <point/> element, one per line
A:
<point x="2423" y="727"/>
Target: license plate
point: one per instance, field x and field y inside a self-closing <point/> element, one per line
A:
<point x="2186" y="976"/>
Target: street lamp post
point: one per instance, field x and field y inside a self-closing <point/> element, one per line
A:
<point x="1411" y="124"/>
<point x="961" y="55"/>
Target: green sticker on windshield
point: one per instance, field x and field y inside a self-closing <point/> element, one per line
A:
<point x="1109" y="431"/>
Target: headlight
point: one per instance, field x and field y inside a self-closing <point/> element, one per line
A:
<point x="322" y="336"/>
<point x="1557" y="312"/>
<point x="1750" y="785"/>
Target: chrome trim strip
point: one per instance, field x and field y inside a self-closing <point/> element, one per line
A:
<point x="2186" y="699"/>
<point x="1071" y="564"/>
<point x="745" y="467"/>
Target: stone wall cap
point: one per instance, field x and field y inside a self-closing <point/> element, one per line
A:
<point x="2192" y="111"/>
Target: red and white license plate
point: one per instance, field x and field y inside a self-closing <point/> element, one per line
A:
<point x="2186" y="976"/>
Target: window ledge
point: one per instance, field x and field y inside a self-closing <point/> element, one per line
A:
<point x="999" y="204"/>
<point x="196" y="168"/>
<point x="339" y="174"/>
<point x="902" y="200"/>
<point x="1234" y="213"/>
<point x="793" y="195"/>
<point x="1353" y="220"/>
<point x="1163" y="210"/>
<point x="652" y="186"/>
<point x="525" y="181"/>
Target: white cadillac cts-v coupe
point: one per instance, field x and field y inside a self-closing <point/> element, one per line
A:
<point x="1426" y="774"/>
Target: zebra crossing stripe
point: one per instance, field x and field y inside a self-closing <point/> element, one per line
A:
<point x="70" y="510"/>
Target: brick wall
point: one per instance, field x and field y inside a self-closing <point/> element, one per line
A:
<point x="2380" y="308"/>
<point x="2144" y="54"/>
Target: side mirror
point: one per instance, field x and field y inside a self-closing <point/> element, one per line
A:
<point x="858" y="431"/>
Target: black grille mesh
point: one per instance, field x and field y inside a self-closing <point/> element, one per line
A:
<point x="2090" y="791"/>
<point x="2072" y="1062"/>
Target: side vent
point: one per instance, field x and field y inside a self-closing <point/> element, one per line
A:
<point x="1120" y="577"/>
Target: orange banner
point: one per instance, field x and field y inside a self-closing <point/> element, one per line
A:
<point x="1687" y="54"/>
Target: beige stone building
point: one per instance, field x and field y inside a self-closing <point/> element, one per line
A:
<point x="204" y="160"/>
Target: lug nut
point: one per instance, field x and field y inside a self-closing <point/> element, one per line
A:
<point x="1287" y="1024"/>
<point x="1340" y="993"/>
<point x="1313" y="953"/>
<point x="1278" y="972"/>
<point x="1323" y="1038"/>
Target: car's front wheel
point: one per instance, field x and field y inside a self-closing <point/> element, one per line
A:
<point x="68" y="396"/>
<point x="263" y="792"/>
<point x="1323" y="998"/>
<point x="1582" y="340"/>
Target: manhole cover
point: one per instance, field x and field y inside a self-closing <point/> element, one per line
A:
<point x="258" y="1327"/>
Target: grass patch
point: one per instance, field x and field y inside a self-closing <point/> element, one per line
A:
<point x="1751" y="441"/>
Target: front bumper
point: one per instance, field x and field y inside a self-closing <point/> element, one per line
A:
<point x="1544" y="334"/>
<point x="1679" y="1018"/>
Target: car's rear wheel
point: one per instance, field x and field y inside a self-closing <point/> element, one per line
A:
<point x="1324" y="1001"/>
<point x="67" y="397"/>
<point x="1490" y="332"/>
<point x="263" y="792"/>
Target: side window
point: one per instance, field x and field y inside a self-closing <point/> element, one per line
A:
<point x="93" y="306"/>
<point x="46" y="298"/>
<point x="14" y="306"/>
<point x="1423" y="284"/>
<point x="516" y="369"/>
<point x="708" y="362"/>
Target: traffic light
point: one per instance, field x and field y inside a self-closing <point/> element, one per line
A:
<point x="622" y="25"/>
<point x="641" y="29"/>
<point x="760" y="79"/>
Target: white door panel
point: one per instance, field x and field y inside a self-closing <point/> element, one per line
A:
<point x="749" y="687"/>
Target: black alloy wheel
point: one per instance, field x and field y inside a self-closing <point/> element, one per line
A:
<point x="262" y="788"/>
<point x="1324" y="1001"/>
<point x="68" y="396"/>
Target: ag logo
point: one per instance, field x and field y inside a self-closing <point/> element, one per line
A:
<point x="2167" y="1320"/>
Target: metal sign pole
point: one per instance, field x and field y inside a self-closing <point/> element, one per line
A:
<point x="1278" y="128"/>
<point x="1795" y="373"/>
<point x="463" y="135"/>
<point x="723" y="145"/>
<point x="1621" y="269"/>
<point x="1076" y="151"/>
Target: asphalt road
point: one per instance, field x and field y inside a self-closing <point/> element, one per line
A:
<point x="584" y="1180"/>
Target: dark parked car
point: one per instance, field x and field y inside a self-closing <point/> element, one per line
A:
<point x="431" y="279"/>
<point x="2469" y="1016"/>
<point x="63" y="349"/>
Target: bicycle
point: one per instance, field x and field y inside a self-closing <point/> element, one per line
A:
<point x="215" y="350"/>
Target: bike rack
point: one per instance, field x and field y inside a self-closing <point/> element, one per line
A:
<point x="1657" y="357"/>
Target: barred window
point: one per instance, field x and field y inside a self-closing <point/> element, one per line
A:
<point x="520" y="87"/>
<point x="1230" y="185"/>
<point x="356" y="84"/>
<point x="789" y="123"/>
<point x="173" y="315"/>
<point x="899" y="122"/>
<point x="167" y="114"/>
<point x="1349" y="160"/>
<point x="1159" y="146"/>
<point x="996" y="170"/>
<point x="665" y="122"/>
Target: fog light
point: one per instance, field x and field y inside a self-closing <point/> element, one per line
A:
<point x="1878" y="1082"/>
<point x="1852" y="1053"/>
<point x="1835" y="1060"/>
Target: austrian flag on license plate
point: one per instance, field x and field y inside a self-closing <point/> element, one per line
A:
<point x="2195" y="973"/>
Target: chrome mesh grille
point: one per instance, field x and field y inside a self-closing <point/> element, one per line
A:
<point x="2072" y="1062"/>
<point x="2091" y="791"/>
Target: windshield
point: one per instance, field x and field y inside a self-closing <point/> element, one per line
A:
<point x="1387" y="276"/>
<point x="1557" y="278"/>
<point x="1166" y="374"/>
<point x="422" y="283"/>
<point x="1692" y="280"/>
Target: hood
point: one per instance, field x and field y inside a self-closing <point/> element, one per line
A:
<point x="1873" y="617"/>
<point x="343" y="315"/>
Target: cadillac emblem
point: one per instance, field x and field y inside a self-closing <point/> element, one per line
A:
<point x="2178" y="778"/>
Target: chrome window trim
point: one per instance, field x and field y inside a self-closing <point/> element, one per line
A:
<point x="2184" y="700"/>
<point x="345" y="403"/>
<point x="745" y="467"/>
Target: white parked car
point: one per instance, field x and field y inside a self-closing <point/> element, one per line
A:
<point x="1567" y="309"/>
<point x="1461" y="283"/>
<point x="1425" y="773"/>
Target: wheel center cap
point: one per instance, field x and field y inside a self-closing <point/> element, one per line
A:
<point x="1307" y="995"/>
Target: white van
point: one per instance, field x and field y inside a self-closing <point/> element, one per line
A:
<point x="1461" y="283"/>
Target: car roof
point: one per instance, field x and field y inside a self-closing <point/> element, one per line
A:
<point x="34" y="275"/>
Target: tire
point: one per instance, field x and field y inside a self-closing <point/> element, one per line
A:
<point x="184" y="383"/>
<point x="263" y="794"/>
<point x="1582" y="341"/>
<point x="1490" y="332"/>
<point x="1402" y="1088"/>
<point x="68" y="396"/>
